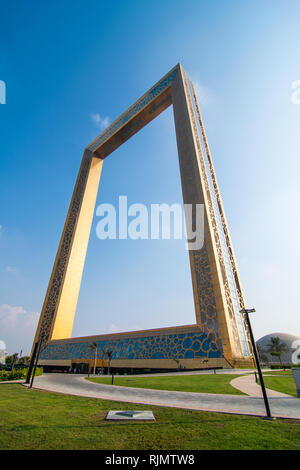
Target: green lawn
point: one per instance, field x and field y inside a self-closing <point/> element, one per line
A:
<point x="205" y="383"/>
<point x="33" y="419"/>
<point x="281" y="383"/>
<point x="279" y="372"/>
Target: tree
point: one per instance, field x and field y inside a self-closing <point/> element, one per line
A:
<point x="276" y="347"/>
<point x="11" y="359"/>
<point x="24" y="360"/>
<point x="177" y="362"/>
<point x="262" y="354"/>
<point x="102" y="357"/>
<point x="109" y="356"/>
<point x="94" y="347"/>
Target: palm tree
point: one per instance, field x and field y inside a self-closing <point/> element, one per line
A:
<point x="276" y="347"/>
<point x="14" y="360"/>
<point x="177" y="362"/>
<point x="103" y="352"/>
<point x="94" y="347"/>
<point x="109" y="356"/>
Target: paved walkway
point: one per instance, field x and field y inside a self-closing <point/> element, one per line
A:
<point x="247" y="384"/>
<point x="235" y="404"/>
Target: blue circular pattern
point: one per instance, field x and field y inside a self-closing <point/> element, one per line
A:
<point x="185" y="345"/>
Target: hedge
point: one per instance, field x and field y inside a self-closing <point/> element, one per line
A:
<point x="17" y="374"/>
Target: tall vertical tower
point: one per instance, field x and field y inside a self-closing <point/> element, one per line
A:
<point x="217" y="290"/>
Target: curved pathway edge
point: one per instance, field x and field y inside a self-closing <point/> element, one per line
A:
<point x="281" y="407"/>
<point x="247" y="384"/>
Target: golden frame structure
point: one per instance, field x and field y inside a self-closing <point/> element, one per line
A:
<point x="217" y="291"/>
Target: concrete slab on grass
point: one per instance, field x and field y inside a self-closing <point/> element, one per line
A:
<point x="130" y="415"/>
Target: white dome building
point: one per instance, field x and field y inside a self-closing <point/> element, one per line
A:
<point x="2" y="352"/>
<point x="290" y="341"/>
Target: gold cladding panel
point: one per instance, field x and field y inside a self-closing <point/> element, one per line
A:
<point x="67" y="305"/>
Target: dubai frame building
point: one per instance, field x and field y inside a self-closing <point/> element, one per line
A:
<point x="219" y="337"/>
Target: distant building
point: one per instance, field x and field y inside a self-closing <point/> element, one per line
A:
<point x="285" y="338"/>
<point x="2" y="352"/>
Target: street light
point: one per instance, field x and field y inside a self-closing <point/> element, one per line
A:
<point x="109" y="356"/>
<point x="31" y="364"/>
<point x="34" y="361"/>
<point x="246" y="312"/>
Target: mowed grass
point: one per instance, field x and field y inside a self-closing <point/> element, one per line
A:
<point x="281" y="383"/>
<point x="279" y="372"/>
<point x="33" y="419"/>
<point x="203" y="383"/>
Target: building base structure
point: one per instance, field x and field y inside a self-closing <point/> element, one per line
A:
<point x="219" y="337"/>
<point x="176" y="348"/>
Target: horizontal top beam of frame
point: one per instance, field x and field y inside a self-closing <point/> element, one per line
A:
<point x="150" y="105"/>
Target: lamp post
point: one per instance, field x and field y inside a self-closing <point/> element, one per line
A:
<point x="39" y="345"/>
<point x="31" y="364"/>
<point x="246" y="312"/>
<point x="109" y="356"/>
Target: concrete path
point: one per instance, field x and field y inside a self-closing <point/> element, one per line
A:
<point x="247" y="384"/>
<point x="236" y="404"/>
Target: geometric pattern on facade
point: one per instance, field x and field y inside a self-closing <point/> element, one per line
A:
<point x="207" y="302"/>
<point x="64" y="249"/>
<point x="138" y="106"/>
<point x="234" y="297"/>
<point x="218" y="295"/>
<point x="173" y="346"/>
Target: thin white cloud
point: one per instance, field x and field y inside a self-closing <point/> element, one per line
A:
<point x="32" y="320"/>
<point x="17" y="327"/>
<point x="11" y="317"/>
<point x="99" y="121"/>
<point x="1" y="229"/>
<point x="203" y="94"/>
<point x="114" y="328"/>
<point x="11" y="270"/>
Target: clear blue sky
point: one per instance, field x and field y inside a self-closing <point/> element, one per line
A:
<point x="66" y="61"/>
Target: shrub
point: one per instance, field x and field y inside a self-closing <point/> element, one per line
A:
<point x="17" y="374"/>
